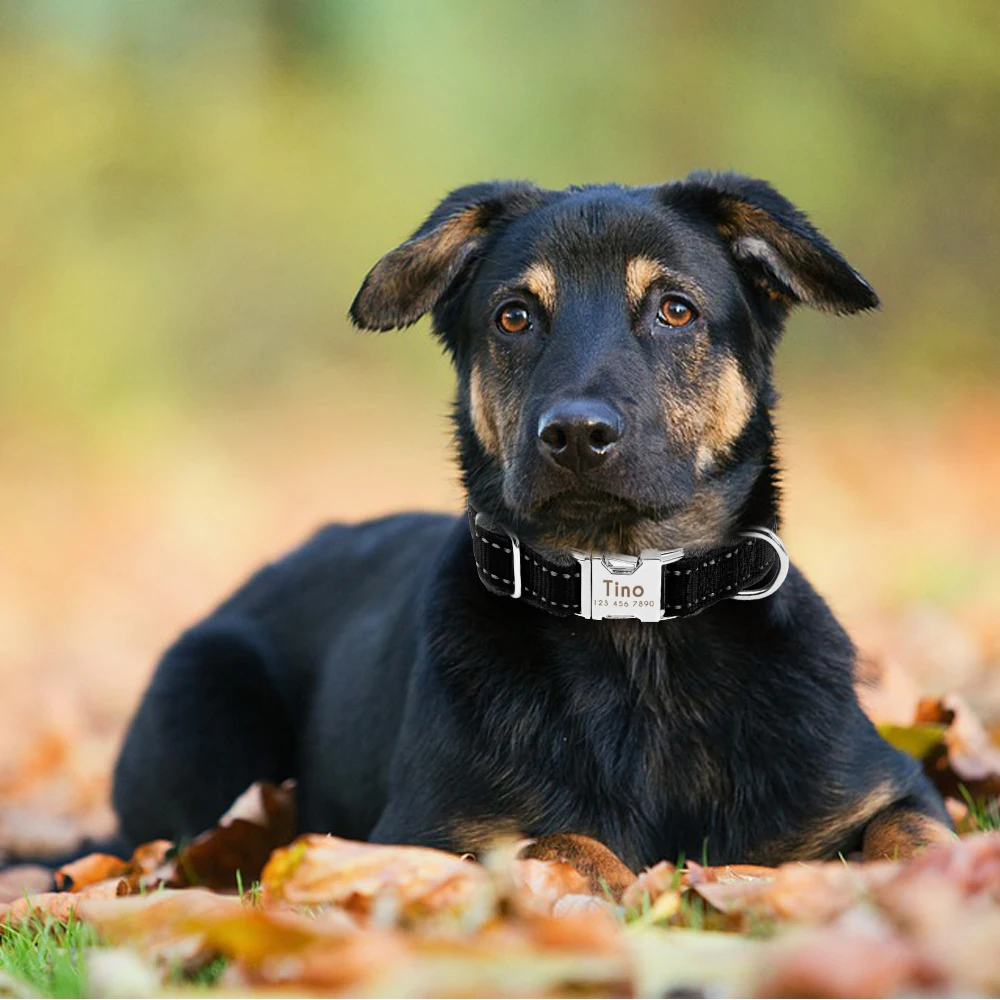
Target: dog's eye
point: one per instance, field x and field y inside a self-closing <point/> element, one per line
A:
<point x="513" y="318"/>
<point x="675" y="312"/>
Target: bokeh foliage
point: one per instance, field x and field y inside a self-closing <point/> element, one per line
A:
<point x="191" y="192"/>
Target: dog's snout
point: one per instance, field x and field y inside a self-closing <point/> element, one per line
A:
<point x="579" y="434"/>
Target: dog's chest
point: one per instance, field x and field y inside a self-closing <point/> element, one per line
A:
<point x="626" y="752"/>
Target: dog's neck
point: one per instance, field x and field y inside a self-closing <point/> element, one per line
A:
<point x="705" y="524"/>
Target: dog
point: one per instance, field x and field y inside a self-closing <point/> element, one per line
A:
<point x="568" y="661"/>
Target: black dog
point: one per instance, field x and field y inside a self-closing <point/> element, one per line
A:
<point x="614" y="355"/>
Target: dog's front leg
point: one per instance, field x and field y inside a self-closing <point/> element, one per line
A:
<point x="903" y="829"/>
<point x="603" y="869"/>
<point x="606" y="873"/>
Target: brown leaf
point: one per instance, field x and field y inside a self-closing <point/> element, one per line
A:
<point x="944" y="733"/>
<point x="549" y="957"/>
<point x="971" y="865"/>
<point x="409" y="881"/>
<point x="329" y="952"/>
<point x="90" y="869"/>
<point x="199" y="921"/>
<point x="968" y="758"/>
<point x="736" y="874"/>
<point x="260" y="820"/>
<point x="539" y="885"/>
<point x="960" y="816"/>
<point x="661" y="880"/>
<point x="805" y="893"/>
<point x="59" y="906"/>
<point x="845" y="962"/>
<point x="583" y="904"/>
<point x="164" y="924"/>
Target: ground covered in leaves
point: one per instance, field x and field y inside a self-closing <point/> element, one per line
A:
<point x="246" y="907"/>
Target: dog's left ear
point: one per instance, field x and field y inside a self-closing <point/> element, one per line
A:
<point x="775" y="242"/>
<point x="410" y="280"/>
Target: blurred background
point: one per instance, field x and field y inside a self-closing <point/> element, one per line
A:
<point x="190" y="194"/>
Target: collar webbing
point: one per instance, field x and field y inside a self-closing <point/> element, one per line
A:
<point x="651" y="587"/>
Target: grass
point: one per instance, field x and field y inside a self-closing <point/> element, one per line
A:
<point x="249" y="896"/>
<point x="983" y="813"/>
<point x="47" y="957"/>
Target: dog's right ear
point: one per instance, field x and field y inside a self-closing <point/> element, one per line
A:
<point x="409" y="281"/>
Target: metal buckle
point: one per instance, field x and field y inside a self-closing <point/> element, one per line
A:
<point x="609" y="583"/>
<point x="618" y="586"/>
<point x="515" y="548"/>
<point x="766" y="535"/>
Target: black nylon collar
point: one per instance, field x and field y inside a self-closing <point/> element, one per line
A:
<point x="687" y="584"/>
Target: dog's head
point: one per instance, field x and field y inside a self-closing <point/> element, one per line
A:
<point x="613" y="347"/>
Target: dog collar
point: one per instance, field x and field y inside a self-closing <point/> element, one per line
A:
<point x="652" y="587"/>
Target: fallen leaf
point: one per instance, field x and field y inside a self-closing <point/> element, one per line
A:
<point x="838" y="962"/>
<point x="735" y="874"/>
<point x="918" y="740"/>
<point x="971" y="865"/>
<point x="666" y="905"/>
<point x="650" y="885"/>
<point x="403" y="882"/>
<point x="170" y="923"/>
<point x="960" y="815"/>
<point x="539" y="885"/>
<point x="90" y="869"/>
<point x="583" y="904"/>
<point x="327" y="951"/>
<point x="260" y="820"/>
<point x="801" y="893"/>
<point x="968" y="758"/>
<point x="59" y="906"/>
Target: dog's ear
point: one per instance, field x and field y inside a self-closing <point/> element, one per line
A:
<point x="774" y="242"/>
<point x="409" y="281"/>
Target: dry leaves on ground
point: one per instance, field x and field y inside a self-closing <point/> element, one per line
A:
<point x="958" y="753"/>
<point x="333" y="916"/>
<point x="323" y="915"/>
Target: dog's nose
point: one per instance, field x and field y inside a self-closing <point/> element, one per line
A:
<point x="579" y="434"/>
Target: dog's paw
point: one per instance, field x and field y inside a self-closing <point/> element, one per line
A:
<point x="605" y="872"/>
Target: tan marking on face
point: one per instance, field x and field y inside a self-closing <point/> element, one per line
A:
<point x="483" y="414"/>
<point x="728" y="406"/>
<point x="683" y="393"/>
<point x="706" y="402"/>
<point x="901" y="833"/>
<point x="703" y="523"/>
<point x="540" y="280"/>
<point x="494" y="404"/>
<point x="640" y="273"/>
